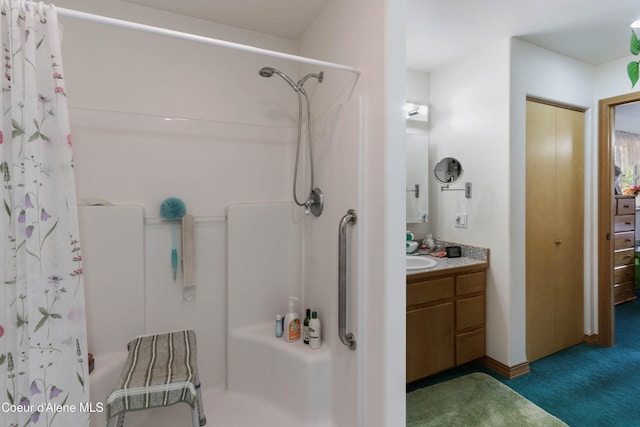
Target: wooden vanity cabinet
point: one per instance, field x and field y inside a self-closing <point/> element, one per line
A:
<point x="624" y="249"/>
<point x="445" y="322"/>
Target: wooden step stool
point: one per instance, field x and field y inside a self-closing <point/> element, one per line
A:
<point x="160" y="370"/>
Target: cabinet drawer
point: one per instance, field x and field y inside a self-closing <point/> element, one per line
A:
<point x="624" y="274"/>
<point x="429" y="291"/>
<point x="470" y="283"/>
<point x="470" y="312"/>
<point x="623" y="240"/>
<point x="469" y="346"/>
<point x="624" y="223"/>
<point x="623" y="257"/>
<point x="625" y="206"/>
<point x="623" y="292"/>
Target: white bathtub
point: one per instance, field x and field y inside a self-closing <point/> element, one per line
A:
<point x="230" y="408"/>
<point x="102" y="380"/>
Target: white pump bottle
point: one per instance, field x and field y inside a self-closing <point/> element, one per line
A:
<point x="291" y="327"/>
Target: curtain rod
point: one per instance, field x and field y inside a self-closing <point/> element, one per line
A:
<point x="200" y="39"/>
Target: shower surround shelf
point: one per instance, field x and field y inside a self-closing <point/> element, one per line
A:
<point x="275" y="371"/>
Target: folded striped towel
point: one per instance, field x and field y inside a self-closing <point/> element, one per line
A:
<point x="160" y="370"/>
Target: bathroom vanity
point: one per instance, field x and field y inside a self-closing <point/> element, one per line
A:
<point x="445" y="315"/>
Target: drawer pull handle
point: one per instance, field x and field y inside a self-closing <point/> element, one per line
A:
<point x="558" y="242"/>
<point x="626" y="206"/>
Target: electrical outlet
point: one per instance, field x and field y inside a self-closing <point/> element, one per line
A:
<point x="461" y="219"/>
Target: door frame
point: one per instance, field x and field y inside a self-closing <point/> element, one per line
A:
<point x="606" y="318"/>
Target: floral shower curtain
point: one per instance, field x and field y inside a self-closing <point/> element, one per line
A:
<point x="43" y="367"/>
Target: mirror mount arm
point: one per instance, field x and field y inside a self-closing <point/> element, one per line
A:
<point x="466" y="189"/>
<point x="416" y="191"/>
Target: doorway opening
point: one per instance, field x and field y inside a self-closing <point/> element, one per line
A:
<point x="606" y="171"/>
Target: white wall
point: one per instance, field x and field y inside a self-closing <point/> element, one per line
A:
<point x="543" y="74"/>
<point x="611" y="79"/>
<point x="470" y="121"/>
<point x="362" y="166"/>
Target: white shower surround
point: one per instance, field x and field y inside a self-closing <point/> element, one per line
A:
<point x="262" y="245"/>
<point x="112" y="73"/>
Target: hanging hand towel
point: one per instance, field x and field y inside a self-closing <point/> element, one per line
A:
<point x="188" y="252"/>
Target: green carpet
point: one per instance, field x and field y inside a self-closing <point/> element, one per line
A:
<point x="474" y="400"/>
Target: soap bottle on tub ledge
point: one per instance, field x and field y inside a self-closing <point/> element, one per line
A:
<point x="291" y="326"/>
<point x="315" y="340"/>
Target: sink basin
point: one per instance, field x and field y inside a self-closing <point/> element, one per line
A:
<point x="415" y="262"/>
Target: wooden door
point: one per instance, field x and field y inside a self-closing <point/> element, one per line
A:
<point x="554" y="229"/>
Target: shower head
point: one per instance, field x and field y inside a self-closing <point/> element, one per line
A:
<point x="268" y="72"/>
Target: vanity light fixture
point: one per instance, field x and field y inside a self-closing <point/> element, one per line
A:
<point x="416" y="112"/>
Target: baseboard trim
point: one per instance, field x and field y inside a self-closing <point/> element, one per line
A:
<point x="508" y="372"/>
<point x="592" y="339"/>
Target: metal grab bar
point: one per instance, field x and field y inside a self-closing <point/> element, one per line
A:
<point x="346" y="338"/>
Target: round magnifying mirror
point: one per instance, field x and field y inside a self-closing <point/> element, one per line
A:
<point x="448" y="170"/>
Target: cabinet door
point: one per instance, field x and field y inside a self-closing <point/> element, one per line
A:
<point x="429" y="340"/>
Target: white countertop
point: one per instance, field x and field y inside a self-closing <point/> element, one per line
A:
<point x="446" y="263"/>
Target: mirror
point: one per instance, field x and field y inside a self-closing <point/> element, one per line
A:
<point x="448" y="170"/>
<point x="417" y="175"/>
<point x="626" y="144"/>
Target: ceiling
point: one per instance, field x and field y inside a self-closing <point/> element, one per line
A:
<point x="281" y="18"/>
<point x="438" y="31"/>
<point x="593" y="31"/>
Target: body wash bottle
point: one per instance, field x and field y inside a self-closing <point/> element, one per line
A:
<point x="291" y="322"/>
<point x="314" y="332"/>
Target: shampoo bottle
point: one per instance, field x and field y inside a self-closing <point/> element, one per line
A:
<point x="314" y="332"/>
<point x="291" y="322"/>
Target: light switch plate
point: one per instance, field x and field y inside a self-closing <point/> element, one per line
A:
<point x="461" y="219"/>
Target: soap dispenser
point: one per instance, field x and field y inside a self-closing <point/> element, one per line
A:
<point x="291" y="322"/>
